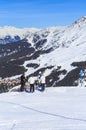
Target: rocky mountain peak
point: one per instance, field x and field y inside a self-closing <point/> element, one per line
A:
<point x="81" y="21"/>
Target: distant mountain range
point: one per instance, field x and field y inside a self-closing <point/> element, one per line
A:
<point x="58" y="52"/>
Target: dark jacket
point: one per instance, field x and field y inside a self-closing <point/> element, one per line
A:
<point x="23" y="79"/>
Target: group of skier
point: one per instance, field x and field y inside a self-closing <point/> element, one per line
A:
<point x="82" y="75"/>
<point x="33" y="82"/>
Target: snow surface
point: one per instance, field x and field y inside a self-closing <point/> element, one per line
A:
<point x="61" y="108"/>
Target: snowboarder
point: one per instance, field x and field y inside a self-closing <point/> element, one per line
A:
<point x="23" y="80"/>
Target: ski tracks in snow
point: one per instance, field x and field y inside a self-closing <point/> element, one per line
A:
<point x="43" y="112"/>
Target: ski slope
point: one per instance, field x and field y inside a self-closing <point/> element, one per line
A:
<point x="61" y="108"/>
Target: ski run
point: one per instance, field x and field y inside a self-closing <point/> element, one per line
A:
<point x="59" y="108"/>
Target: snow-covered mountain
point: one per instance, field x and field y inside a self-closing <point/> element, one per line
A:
<point x="10" y="34"/>
<point x="59" y="52"/>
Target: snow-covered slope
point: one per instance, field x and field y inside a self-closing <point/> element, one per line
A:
<point x="54" y="109"/>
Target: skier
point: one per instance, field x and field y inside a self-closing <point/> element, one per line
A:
<point x="31" y="81"/>
<point x="23" y="80"/>
<point x="81" y="74"/>
<point x="43" y="82"/>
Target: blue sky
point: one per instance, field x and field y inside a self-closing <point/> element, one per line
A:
<point x="41" y="13"/>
